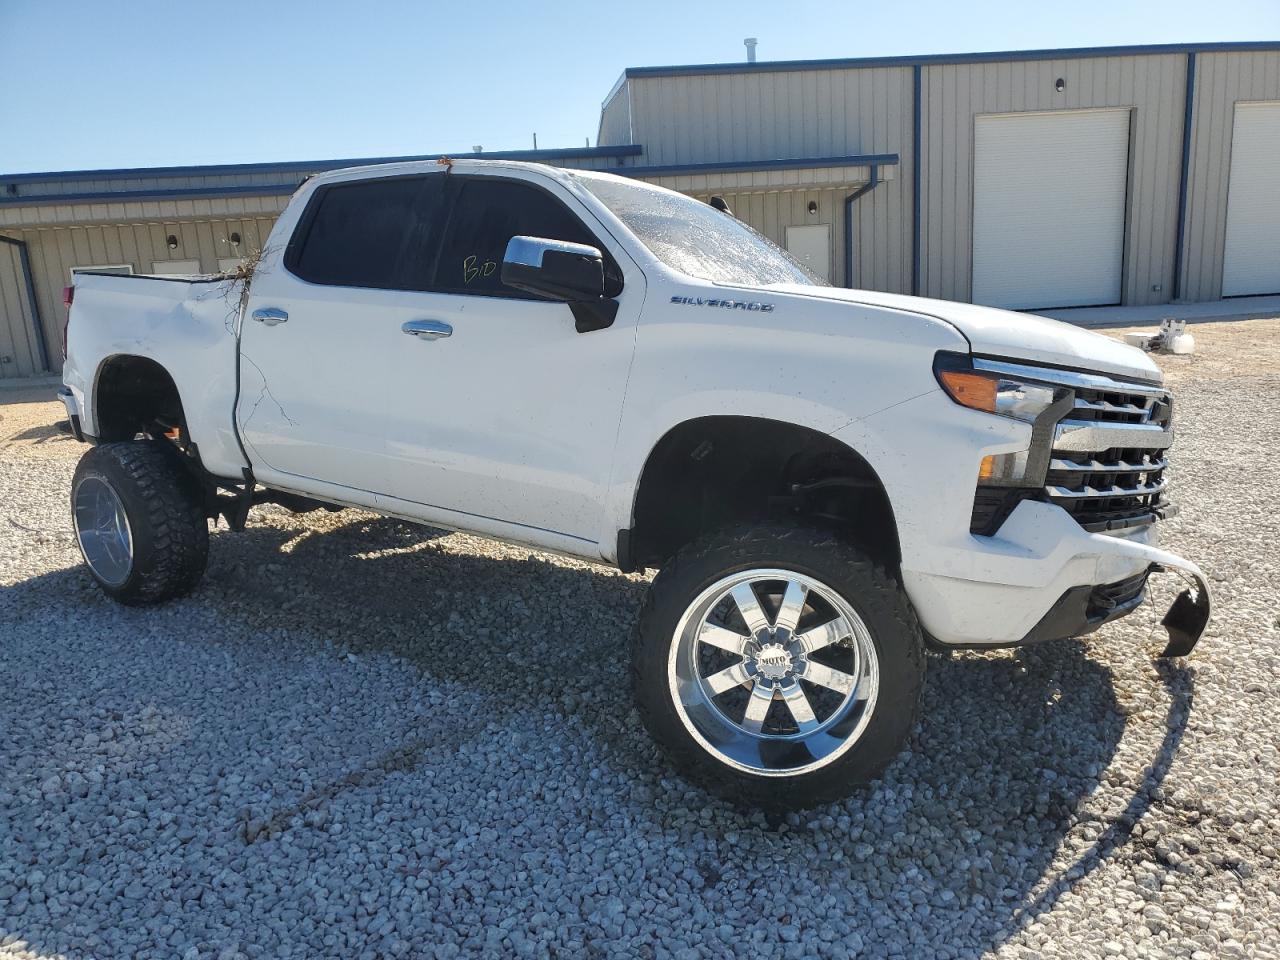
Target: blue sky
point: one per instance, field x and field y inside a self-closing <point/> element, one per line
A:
<point x="138" y="83"/>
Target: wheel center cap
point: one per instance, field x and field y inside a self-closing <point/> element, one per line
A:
<point x="773" y="661"/>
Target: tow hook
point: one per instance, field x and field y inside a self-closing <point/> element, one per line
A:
<point x="1188" y="616"/>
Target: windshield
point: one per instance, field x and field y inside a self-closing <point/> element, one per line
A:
<point x="697" y="239"/>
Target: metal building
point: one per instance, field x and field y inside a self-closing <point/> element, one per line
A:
<point x="1032" y="179"/>
<point x="1036" y="179"/>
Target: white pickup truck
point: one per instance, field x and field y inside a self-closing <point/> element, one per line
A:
<point x="829" y="481"/>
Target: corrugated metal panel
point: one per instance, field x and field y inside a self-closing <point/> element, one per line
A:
<point x="953" y="95"/>
<point x="54" y="251"/>
<point x="763" y="116"/>
<point x="19" y="352"/>
<point x="137" y="211"/>
<point x="772" y="212"/>
<point x="1222" y="81"/>
<point x="1048" y="208"/>
<point x="615" y="119"/>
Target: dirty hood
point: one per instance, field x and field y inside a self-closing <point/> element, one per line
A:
<point x="1004" y="333"/>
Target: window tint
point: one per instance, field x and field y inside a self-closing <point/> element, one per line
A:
<point x="487" y="214"/>
<point x="372" y="233"/>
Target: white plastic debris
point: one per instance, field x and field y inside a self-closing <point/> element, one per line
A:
<point x="1172" y="337"/>
<point x="1142" y="339"/>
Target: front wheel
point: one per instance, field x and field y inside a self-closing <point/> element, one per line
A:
<point x="777" y="665"/>
<point x="139" y="521"/>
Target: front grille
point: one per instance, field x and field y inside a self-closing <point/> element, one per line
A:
<point x="1120" y="405"/>
<point x="1107" y="467"/>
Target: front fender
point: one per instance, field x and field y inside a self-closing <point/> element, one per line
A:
<point x="647" y="432"/>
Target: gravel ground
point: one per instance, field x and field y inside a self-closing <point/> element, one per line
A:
<point x="361" y="738"/>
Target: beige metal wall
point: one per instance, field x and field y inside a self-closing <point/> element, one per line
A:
<point x="771" y="214"/>
<point x="952" y="95"/>
<point x="54" y="251"/>
<point x="1222" y="81"/>
<point x="19" y="217"/>
<point x="19" y="349"/>
<point x="615" y="119"/>
<point x="812" y="113"/>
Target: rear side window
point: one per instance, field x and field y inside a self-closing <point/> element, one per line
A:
<point x="487" y="214"/>
<point x="370" y="233"/>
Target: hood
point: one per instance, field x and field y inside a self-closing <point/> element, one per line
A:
<point x="1005" y="333"/>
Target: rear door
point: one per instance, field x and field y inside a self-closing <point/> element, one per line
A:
<point x="322" y="330"/>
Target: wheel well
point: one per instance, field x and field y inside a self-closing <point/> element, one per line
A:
<point x="136" y="395"/>
<point x="713" y="471"/>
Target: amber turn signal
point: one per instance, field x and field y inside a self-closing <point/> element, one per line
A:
<point x="970" y="389"/>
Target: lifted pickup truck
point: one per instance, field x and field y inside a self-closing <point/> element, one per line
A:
<point x="828" y="480"/>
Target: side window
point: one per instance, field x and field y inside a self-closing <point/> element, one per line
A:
<point x="487" y="214"/>
<point x="369" y="233"/>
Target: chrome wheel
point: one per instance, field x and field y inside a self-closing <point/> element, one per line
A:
<point x="773" y="672"/>
<point x="102" y="528"/>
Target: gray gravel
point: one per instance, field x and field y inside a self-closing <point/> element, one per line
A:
<point x="361" y="738"/>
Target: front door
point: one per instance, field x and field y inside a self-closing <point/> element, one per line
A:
<point x="503" y="411"/>
<point x="322" y="330"/>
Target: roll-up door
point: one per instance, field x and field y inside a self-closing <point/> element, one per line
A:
<point x="1252" y="256"/>
<point x="1049" y="207"/>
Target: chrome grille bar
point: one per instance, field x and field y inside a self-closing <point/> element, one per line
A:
<point x="1093" y="436"/>
<point x="1093" y="493"/>
<point x="1104" y="406"/>
<point x="1111" y="466"/>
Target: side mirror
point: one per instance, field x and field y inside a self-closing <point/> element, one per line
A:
<point x="554" y="268"/>
<point x="558" y="270"/>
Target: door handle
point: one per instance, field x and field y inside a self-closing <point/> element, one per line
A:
<point x="427" y="329"/>
<point x="270" y="316"/>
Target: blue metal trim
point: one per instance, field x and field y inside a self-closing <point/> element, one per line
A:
<point x="867" y="187"/>
<point x="315" y="166"/>
<point x="915" y="181"/>
<point x="733" y="166"/>
<point x="1068" y="53"/>
<point x="37" y="324"/>
<point x="1184" y="175"/>
<point x="128" y="196"/>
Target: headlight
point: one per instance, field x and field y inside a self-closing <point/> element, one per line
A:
<point x="997" y="393"/>
<point x="1007" y="394"/>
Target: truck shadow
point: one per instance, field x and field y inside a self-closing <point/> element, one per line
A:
<point x="962" y="841"/>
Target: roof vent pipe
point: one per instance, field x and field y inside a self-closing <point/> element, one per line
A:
<point x="750" y="43"/>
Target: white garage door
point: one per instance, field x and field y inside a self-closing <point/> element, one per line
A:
<point x="1252" y="259"/>
<point x="1048" y="208"/>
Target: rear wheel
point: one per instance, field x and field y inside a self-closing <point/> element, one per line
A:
<point x="139" y="521"/>
<point x="778" y="665"/>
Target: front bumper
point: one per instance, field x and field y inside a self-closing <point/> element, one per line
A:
<point x="1043" y="577"/>
<point x="1095" y="466"/>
